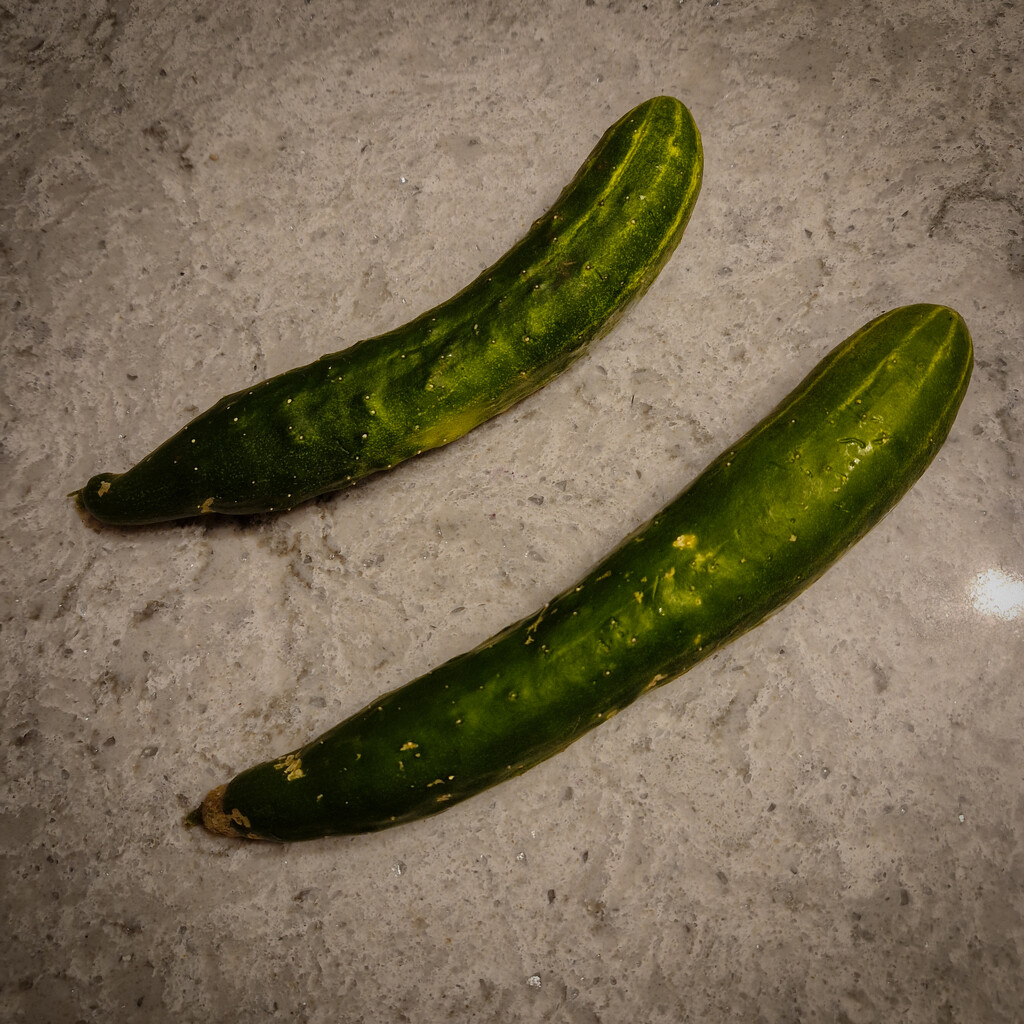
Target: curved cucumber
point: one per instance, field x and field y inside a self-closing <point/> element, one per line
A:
<point x="763" y="521"/>
<point x="325" y="426"/>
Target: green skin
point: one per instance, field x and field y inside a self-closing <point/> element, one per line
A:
<point x="327" y="425"/>
<point x="760" y="524"/>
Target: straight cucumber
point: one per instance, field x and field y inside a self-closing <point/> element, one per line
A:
<point x="366" y="408"/>
<point x="762" y="522"/>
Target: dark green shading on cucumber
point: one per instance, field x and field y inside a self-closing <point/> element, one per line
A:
<point x="761" y="523"/>
<point x="367" y="408"/>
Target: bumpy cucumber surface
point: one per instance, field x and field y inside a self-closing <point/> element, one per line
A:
<point x="327" y="425"/>
<point x="763" y="521"/>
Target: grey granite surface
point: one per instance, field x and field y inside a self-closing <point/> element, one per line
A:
<point x="824" y="822"/>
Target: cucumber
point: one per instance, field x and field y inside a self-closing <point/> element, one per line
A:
<point x="761" y="523"/>
<point x="322" y="427"/>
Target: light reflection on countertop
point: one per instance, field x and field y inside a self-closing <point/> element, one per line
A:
<point x="998" y="593"/>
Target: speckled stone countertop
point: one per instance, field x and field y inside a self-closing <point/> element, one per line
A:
<point x="825" y="821"/>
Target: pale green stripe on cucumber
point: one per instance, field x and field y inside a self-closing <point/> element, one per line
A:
<point x="329" y="424"/>
<point x="761" y="523"/>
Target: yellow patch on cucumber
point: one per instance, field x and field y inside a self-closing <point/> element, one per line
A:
<point x="291" y="765"/>
<point x="240" y="819"/>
